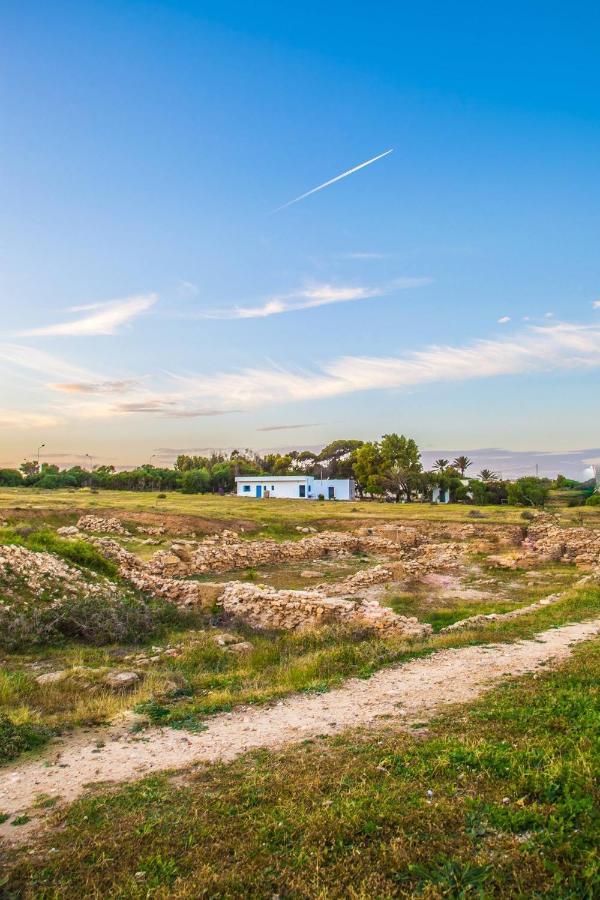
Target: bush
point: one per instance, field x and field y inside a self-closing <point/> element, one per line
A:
<point x="527" y="515"/>
<point x="594" y="500"/>
<point x="90" y="619"/>
<point x="16" y="739"/>
<point x="10" y="478"/>
<point x="528" y="492"/>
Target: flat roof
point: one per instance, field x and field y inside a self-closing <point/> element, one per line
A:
<point x="271" y="477"/>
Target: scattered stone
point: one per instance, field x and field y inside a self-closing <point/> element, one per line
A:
<point x="240" y="647"/>
<point x="68" y="531"/>
<point x="101" y="525"/>
<point x="52" y="677"/>
<point x="122" y="681"/>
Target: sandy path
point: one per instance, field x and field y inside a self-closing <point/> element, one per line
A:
<point x="411" y="692"/>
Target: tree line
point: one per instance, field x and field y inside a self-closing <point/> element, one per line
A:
<point x="389" y="469"/>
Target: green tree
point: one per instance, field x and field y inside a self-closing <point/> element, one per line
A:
<point x="368" y="469"/>
<point x="528" y="491"/>
<point x="10" y="478"/>
<point x="401" y="465"/>
<point x="487" y="475"/>
<point x="462" y="463"/>
<point x="195" y="481"/>
<point x="441" y="465"/>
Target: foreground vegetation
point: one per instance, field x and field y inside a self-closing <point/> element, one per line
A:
<point x="498" y="800"/>
<point x="205" y="679"/>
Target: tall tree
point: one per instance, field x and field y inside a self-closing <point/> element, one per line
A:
<point x="401" y="465"/>
<point x="487" y="475"/>
<point x="462" y="463"/>
<point x="441" y="465"/>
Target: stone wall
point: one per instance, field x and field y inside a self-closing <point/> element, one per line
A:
<point x="266" y="608"/>
<point x="578" y="545"/>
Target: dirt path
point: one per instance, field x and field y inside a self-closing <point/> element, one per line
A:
<point x="412" y="692"/>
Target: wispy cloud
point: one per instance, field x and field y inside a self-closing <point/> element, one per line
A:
<point x="503" y="320"/>
<point x="325" y="184"/>
<point x="102" y="387"/>
<point x="288" y="427"/>
<point x="553" y="346"/>
<point x="103" y="318"/>
<point x="560" y="346"/>
<point x="312" y="297"/>
<point x="16" y="419"/>
<point x="596" y="304"/>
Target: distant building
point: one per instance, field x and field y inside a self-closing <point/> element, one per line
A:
<point x="295" y="487"/>
<point x="440" y="495"/>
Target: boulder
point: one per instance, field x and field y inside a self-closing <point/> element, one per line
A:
<point x="121" y="681"/>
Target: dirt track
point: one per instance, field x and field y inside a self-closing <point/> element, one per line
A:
<point x="409" y="693"/>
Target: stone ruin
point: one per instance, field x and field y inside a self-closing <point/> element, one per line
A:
<point x="101" y="525"/>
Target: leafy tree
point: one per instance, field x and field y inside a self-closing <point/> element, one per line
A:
<point x="368" y="468"/>
<point x="462" y="463"/>
<point x="29" y="467"/>
<point x="529" y="492"/>
<point x="195" y="481"/>
<point x="336" y="460"/>
<point x="487" y="475"/>
<point x="441" y="465"/>
<point x="401" y="464"/>
<point x="10" y="478"/>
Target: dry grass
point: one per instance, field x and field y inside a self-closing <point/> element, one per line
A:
<point x="230" y="509"/>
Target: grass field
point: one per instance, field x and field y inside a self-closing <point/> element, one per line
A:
<point x="268" y="513"/>
<point x="495" y="800"/>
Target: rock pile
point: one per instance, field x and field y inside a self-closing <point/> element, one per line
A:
<point x="266" y="608"/>
<point x="25" y="573"/>
<point x="578" y="545"/>
<point x="100" y="525"/>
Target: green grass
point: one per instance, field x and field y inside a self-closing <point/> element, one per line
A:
<point x="271" y="514"/>
<point x="209" y="680"/>
<point x="498" y="800"/>
<point x="78" y="552"/>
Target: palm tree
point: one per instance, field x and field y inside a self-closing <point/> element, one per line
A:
<point x="441" y="465"/>
<point x="488" y="475"/>
<point x="462" y="463"/>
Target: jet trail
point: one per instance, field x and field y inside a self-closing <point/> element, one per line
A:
<point x="333" y="180"/>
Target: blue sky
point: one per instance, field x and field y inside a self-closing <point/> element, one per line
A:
<point x="151" y="298"/>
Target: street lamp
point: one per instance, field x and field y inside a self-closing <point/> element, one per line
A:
<point x="91" y="459"/>
<point x="38" y="454"/>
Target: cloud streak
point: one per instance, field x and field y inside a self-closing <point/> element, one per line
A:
<point x="312" y="297"/>
<point x="103" y="318"/>
<point x="331" y="181"/>
<point x="560" y="346"/>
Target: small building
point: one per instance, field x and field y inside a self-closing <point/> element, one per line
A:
<point x="295" y="487"/>
<point x="440" y="495"/>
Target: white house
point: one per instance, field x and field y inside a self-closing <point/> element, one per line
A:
<point x="295" y="487"/>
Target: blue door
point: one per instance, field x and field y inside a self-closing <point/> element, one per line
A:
<point x="259" y="490"/>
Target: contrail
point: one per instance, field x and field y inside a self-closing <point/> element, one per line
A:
<point x="333" y="180"/>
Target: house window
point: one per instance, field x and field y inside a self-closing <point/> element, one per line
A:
<point x="272" y="487"/>
<point x="302" y="490"/>
<point x="246" y="488"/>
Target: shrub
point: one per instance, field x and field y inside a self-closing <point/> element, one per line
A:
<point x="527" y="515"/>
<point x="594" y="500"/>
<point x="10" y="478"/>
<point x="528" y="492"/>
<point x="90" y="619"/>
<point x="16" y="739"/>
